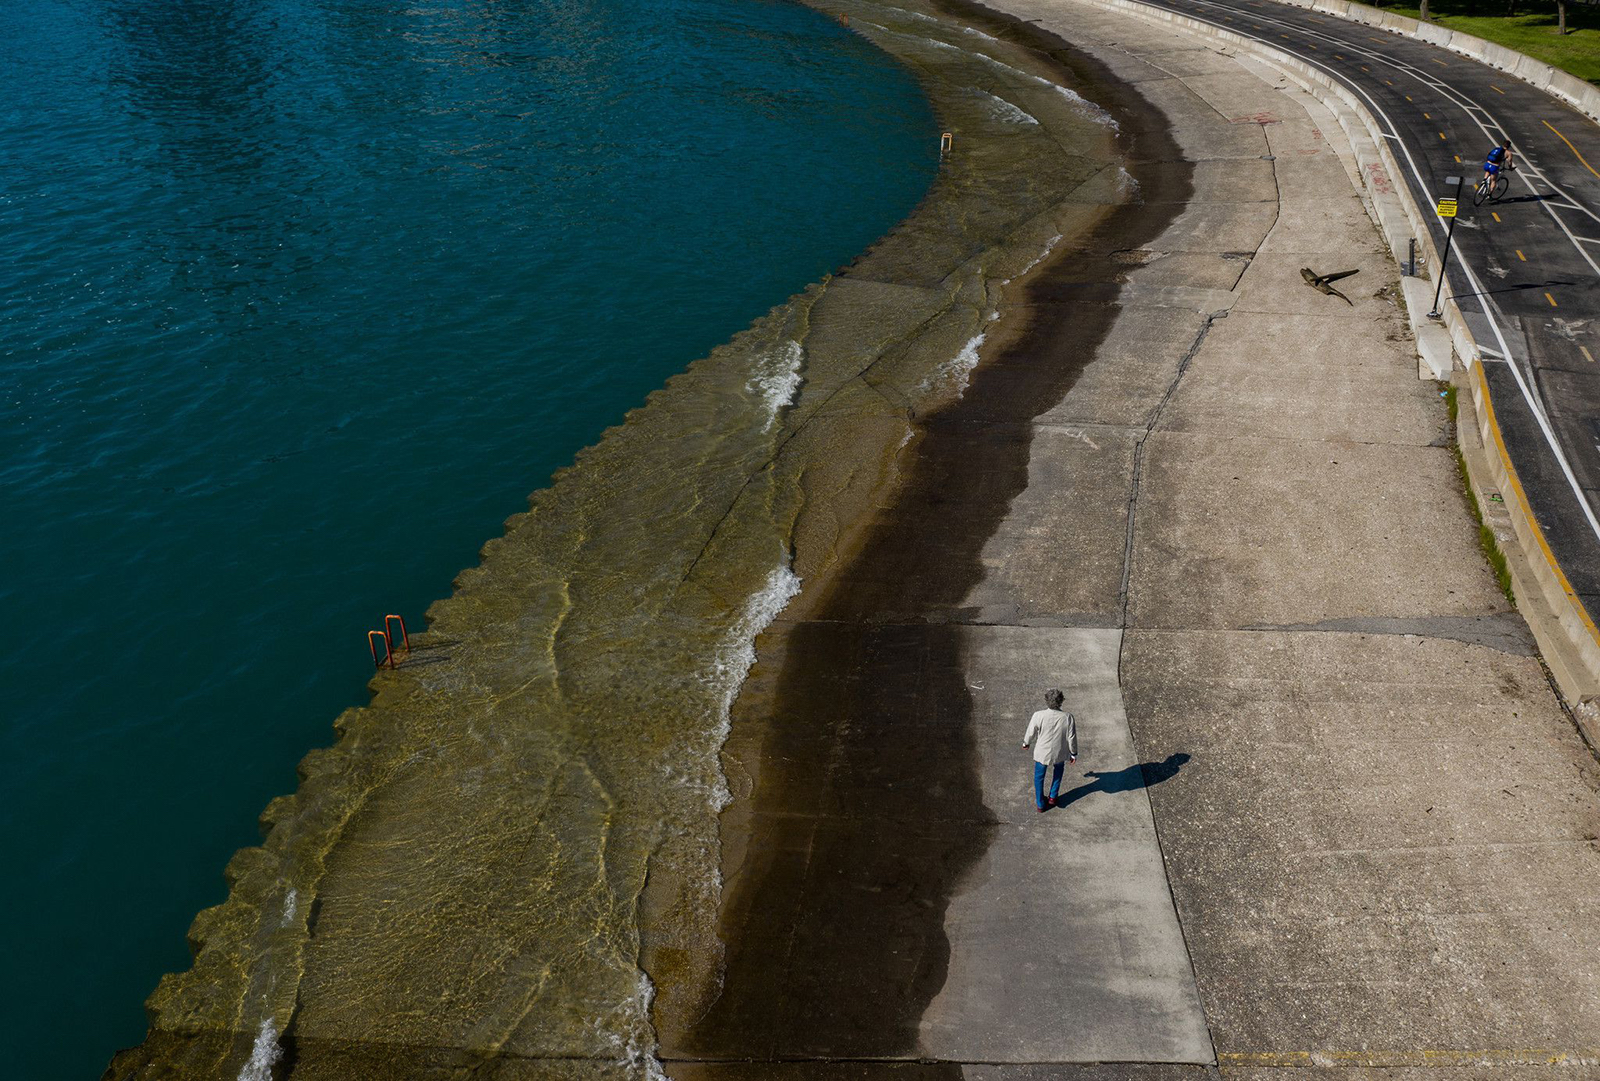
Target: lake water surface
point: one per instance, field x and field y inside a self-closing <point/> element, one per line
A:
<point x="298" y="300"/>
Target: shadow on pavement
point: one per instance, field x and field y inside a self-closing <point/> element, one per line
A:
<point x="1520" y="288"/>
<point x="1128" y="779"/>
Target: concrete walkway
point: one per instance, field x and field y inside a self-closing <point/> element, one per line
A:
<point x="1382" y="845"/>
<point x="1328" y="811"/>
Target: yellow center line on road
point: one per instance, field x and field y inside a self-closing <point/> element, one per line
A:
<point x="1551" y="299"/>
<point x="1520" y="256"/>
<point x="1408" y="97"/>
<point x="1585" y="351"/>
<point x="1366" y="69"/>
<point x="1533" y="1056"/>
<point x="1570" y="147"/>
<point x="1427" y="116"/>
<point x="1492" y="214"/>
<point x="1441" y="137"/>
<point x="1458" y="158"/>
<point x="1441" y="63"/>
<point x="1496" y="89"/>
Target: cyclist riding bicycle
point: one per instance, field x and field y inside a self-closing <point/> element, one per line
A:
<point x="1499" y="157"/>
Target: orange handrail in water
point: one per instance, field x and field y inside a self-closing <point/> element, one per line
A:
<point x="404" y="637"/>
<point x="388" y="654"/>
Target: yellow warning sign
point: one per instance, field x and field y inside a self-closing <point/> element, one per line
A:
<point x="1447" y="208"/>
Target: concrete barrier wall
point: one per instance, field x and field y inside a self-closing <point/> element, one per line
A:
<point x="1569" y="87"/>
<point x="1432" y="34"/>
<point x="1468" y="45"/>
<point x="1569" y="634"/>
<point x="1498" y="56"/>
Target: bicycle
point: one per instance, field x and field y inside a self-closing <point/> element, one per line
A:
<point x="1492" y="188"/>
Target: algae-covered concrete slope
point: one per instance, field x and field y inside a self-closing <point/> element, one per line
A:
<point x="465" y="876"/>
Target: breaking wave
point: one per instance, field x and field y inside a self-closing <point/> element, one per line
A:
<point x="737" y="652"/>
<point x="776" y="378"/>
<point x="958" y="369"/>
<point x="264" y="1055"/>
<point x="1005" y="111"/>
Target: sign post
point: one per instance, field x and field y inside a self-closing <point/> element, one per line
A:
<point x="1446" y="209"/>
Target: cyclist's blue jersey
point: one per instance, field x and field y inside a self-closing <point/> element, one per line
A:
<point x="1496" y="157"/>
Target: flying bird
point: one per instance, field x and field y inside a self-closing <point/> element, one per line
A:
<point x="1319" y="282"/>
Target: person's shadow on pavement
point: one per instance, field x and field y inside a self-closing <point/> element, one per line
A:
<point x="1128" y="779"/>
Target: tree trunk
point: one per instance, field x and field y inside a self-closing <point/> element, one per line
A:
<point x="1422" y="16"/>
<point x="1511" y="9"/>
<point x="1561" y="17"/>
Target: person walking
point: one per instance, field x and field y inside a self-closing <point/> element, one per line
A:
<point x="1051" y="731"/>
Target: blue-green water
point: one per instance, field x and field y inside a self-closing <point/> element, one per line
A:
<point x="298" y="300"/>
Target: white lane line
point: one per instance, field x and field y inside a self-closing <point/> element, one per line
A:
<point x="1534" y="406"/>
<point x="1493" y="129"/>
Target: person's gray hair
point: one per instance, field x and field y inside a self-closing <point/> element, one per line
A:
<point x="1053" y="698"/>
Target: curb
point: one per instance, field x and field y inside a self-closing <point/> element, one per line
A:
<point x="1567" y="637"/>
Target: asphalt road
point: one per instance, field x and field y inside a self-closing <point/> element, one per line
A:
<point x="1526" y="269"/>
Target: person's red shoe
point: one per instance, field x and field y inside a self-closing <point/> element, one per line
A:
<point x="1041" y="810"/>
<point x="1050" y="801"/>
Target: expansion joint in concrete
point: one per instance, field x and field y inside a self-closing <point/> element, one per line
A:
<point x="1125" y="589"/>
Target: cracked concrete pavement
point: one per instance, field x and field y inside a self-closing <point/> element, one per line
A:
<point x="1329" y="813"/>
<point x="1384" y="840"/>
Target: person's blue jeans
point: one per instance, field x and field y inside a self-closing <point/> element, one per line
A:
<point x="1038" y="781"/>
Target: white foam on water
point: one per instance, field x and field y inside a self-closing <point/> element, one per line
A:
<point x="1042" y="256"/>
<point x="978" y="33"/>
<point x="264" y="1055"/>
<point x="958" y="368"/>
<point x="631" y="1051"/>
<point x="1080" y="104"/>
<point x="1003" y="66"/>
<point x="1084" y="106"/>
<point x="737" y="653"/>
<point x="1003" y="110"/>
<point x="777" y="377"/>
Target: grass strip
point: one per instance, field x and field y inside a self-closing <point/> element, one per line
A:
<point x="1531" y="30"/>
<point x="1486" y="538"/>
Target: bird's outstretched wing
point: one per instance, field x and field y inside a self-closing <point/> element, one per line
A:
<point x="1319" y="282"/>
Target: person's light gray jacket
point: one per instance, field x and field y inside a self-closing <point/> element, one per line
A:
<point x="1055" y="730"/>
